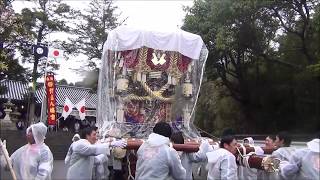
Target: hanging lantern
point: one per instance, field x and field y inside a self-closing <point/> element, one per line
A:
<point x="120" y="114"/>
<point x="122" y="84"/>
<point x="187" y="87"/>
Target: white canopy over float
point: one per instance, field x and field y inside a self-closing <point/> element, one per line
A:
<point x="126" y="38"/>
<point x="149" y="76"/>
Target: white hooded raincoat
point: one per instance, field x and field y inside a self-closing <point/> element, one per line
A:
<point x="158" y="161"/>
<point x="34" y="161"/>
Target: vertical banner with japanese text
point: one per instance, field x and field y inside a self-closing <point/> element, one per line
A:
<point x="51" y="99"/>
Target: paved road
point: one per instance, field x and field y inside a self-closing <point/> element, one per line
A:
<point x="59" y="170"/>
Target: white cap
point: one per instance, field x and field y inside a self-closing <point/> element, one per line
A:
<point x="251" y="141"/>
<point x="314" y="145"/>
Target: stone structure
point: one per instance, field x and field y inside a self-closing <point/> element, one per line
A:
<point x="9" y="121"/>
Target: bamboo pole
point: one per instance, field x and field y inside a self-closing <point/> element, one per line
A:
<point x="6" y="155"/>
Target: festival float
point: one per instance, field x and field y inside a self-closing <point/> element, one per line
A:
<point x="147" y="77"/>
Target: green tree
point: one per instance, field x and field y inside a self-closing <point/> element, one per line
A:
<point x="216" y="109"/>
<point x="91" y="31"/>
<point x="303" y="51"/>
<point x="63" y="82"/>
<point x="238" y="35"/>
<point x="295" y="18"/>
<point x="10" y="31"/>
<point x="39" y="22"/>
<point x="260" y="62"/>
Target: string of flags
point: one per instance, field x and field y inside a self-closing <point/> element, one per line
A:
<point x="68" y="107"/>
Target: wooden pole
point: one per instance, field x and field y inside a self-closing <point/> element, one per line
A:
<point x="255" y="162"/>
<point x="188" y="146"/>
<point x="251" y="149"/>
<point x="134" y="144"/>
<point x="6" y="155"/>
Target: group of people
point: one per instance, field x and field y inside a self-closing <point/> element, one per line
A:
<point x="295" y="163"/>
<point x="157" y="160"/>
<point x="35" y="160"/>
<point x="87" y="157"/>
<point x="303" y="163"/>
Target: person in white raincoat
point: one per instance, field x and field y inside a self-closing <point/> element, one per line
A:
<point x="85" y="153"/>
<point x="245" y="172"/>
<point x="156" y="160"/>
<point x="304" y="163"/>
<point x="33" y="160"/>
<point x="269" y="143"/>
<point x="222" y="162"/>
<point x="188" y="158"/>
<point x="75" y="138"/>
<point x="284" y="151"/>
<point x="100" y="168"/>
<point x="98" y="172"/>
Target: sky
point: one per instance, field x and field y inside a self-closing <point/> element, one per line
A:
<point x="159" y="14"/>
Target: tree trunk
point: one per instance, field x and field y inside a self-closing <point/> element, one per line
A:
<point x="306" y="53"/>
<point x="31" y="110"/>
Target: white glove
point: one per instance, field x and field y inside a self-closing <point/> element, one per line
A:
<point x="99" y="159"/>
<point x="258" y="150"/>
<point x="205" y="146"/>
<point x="287" y="170"/>
<point x="120" y="143"/>
<point x="215" y="146"/>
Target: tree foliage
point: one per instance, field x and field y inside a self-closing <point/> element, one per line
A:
<point x="39" y="22"/>
<point x="90" y="32"/>
<point x="63" y="82"/>
<point x="46" y="17"/>
<point x="265" y="53"/>
<point x="10" y="31"/>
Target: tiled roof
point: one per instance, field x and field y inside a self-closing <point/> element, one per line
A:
<point x="17" y="90"/>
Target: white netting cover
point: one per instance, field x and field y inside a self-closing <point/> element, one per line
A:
<point x="147" y="77"/>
